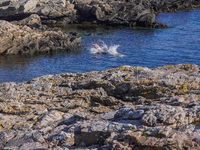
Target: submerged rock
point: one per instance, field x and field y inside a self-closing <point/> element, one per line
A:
<point x="122" y="108"/>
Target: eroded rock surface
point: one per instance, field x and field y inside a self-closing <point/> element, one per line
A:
<point x="122" y="108"/>
<point x="25" y="31"/>
<point x="109" y="12"/>
<point x="22" y="39"/>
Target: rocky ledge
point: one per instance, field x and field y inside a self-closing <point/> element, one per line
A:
<point x="123" y="108"/>
<point x="109" y="12"/>
<point x="24" y="33"/>
<point x="30" y="36"/>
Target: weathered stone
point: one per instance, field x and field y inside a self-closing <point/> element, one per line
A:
<point x="49" y="118"/>
<point x="23" y="139"/>
<point x="33" y="21"/>
<point x="32" y="145"/>
<point x="100" y="110"/>
<point x="62" y="138"/>
<point x="127" y="13"/>
<point x="22" y="39"/>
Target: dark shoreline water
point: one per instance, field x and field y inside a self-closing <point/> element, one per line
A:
<point x="141" y="47"/>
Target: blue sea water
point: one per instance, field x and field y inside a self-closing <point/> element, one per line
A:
<point x="142" y="47"/>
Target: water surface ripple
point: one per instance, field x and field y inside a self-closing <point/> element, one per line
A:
<point x="141" y="47"/>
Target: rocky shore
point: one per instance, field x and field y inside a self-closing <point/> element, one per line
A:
<point x="123" y="108"/>
<point x="23" y="37"/>
<point x="109" y="12"/>
<point x="22" y="29"/>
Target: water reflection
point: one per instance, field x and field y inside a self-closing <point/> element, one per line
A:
<point x="15" y="62"/>
<point x="22" y="62"/>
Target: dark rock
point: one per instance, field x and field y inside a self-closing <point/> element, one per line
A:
<point x="109" y="12"/>
<point x="32" y="21"/>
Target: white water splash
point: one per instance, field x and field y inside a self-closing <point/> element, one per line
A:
<point x="105" y="49"/>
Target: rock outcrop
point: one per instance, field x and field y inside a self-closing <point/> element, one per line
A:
<point x="21" y="39"/>
<point x="118" y="13"/>
<point x="122" y="108"/>
<point x="46" y="9"/>
<point x="109" y="12"/>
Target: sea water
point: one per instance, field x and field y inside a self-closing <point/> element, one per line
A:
<point x="139" y="47"/>
<point x="105" y="49"/>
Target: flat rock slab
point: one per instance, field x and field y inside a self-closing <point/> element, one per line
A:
<point x="121" y="108"/>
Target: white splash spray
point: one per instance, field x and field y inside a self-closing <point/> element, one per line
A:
<point x="105" y="49"/>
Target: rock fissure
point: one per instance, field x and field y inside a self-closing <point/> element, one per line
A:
<point x="67" y="117"/>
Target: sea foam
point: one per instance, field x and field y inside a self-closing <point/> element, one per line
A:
<point x="105" y="49"/>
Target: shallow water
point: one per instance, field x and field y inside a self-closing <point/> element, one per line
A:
<point x="141" y="47"/>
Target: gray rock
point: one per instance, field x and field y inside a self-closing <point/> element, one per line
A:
<point x="24" y="139"/>
<point x="50" y="118"/>
<point x="29" y="5"/>
<point x="164" y="115"/>
<point x="128" y="13"/>
<point x="127" y="113"/>
<point x="69" y="111"/>
<point x="31" y="145"/>
<point x="62" y="138"/>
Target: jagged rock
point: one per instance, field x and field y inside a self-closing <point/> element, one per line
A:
<point x="23" y="40"/>
<point x="103" y="110"/>
<point x="24" y="139"/>
<point x="48" y="9"/>
<point x="95" y="132"/>
<point x="108" y="12"/>
<point x="51" y="117"/>
<point x="62" y="138"/>
<point x="31" y="145"/>
<point x="32" y="21"/>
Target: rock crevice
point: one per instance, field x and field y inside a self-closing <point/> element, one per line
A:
<point x="122" y="108"/>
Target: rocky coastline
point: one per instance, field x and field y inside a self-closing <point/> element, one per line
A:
<point x="125" y="108"/>
<point x="29" y="36"/>
<point x="122" y="108"/>
<point x="22" y="29"/>
<point x="109" y="12"/>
